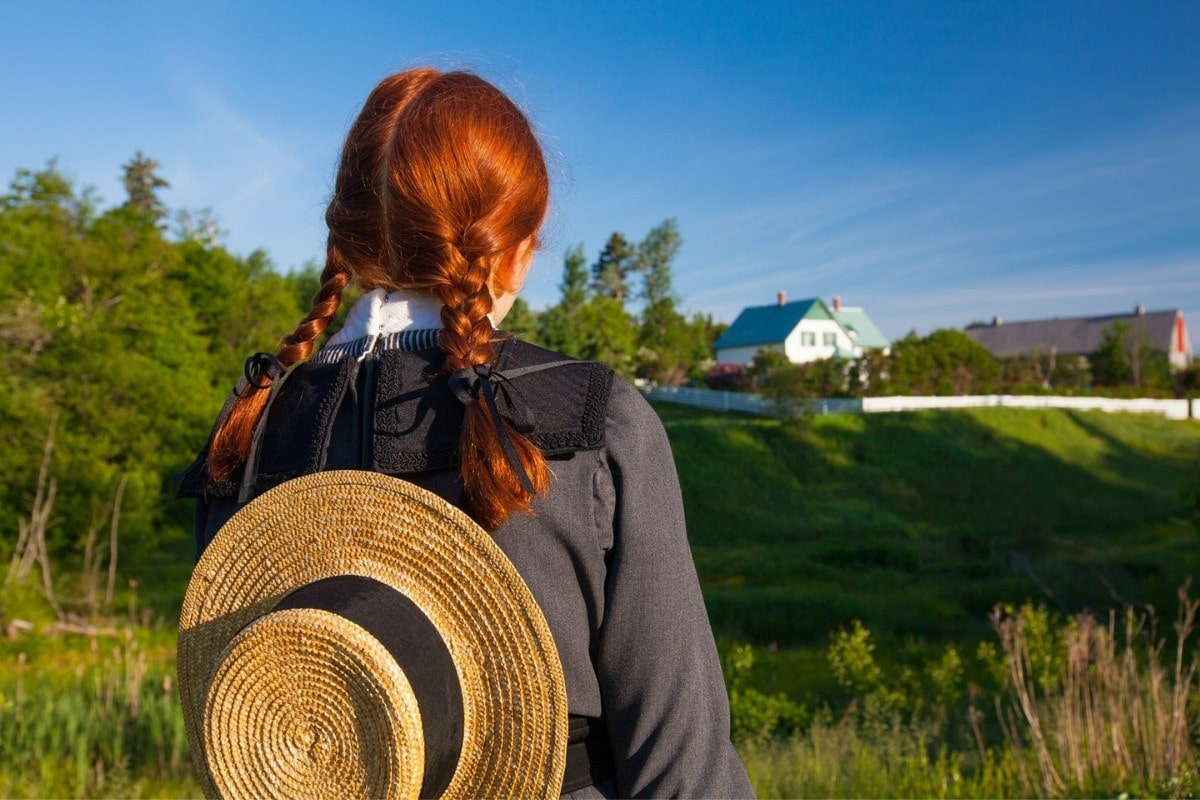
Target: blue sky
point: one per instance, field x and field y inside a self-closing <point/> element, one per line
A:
<point x="936" y="163"/>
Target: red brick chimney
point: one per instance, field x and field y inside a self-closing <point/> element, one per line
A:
<point x="782" y="297"/>
<point x="837" y="303"/>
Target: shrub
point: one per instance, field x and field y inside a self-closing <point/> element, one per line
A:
<point x="1092" y="706"/>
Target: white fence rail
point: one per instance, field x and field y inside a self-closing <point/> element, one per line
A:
<point x="712" y="399"/>
<point x="754" y="404"/>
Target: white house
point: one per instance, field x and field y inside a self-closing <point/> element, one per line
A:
<point x="805" y="330"/>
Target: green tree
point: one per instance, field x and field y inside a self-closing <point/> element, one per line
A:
<point x="588" y="325"/>
<point x="559" y="326"/>
<point x="1126" y="359"/>
<point x="610" y="273"/>
<point x="671" y="349"/>
<point x="655" y="256"/>
<point x="521" y="321"/>
<point x="946" y="362"/>
<point x="764" y="365"/>
<point x="608" y="334"/>
<point x="130" y="342"/>
<point x="1110" y="362"/>
<point x="142" y="183"/>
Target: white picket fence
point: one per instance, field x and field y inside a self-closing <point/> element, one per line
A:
<point x="754" y="404"/>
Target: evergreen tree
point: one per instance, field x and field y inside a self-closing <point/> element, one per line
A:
<point x="142" y="182"/>
<point x="521" y="321"/>
<point x="559" y="326"/>
<point x="610" y="273"/>
<point x="655" y="255"/>
<point x="670" y="348"/>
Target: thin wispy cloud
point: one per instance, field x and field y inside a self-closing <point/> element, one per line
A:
<point x="976" y="161"/>
<point x="1027" y="228"/>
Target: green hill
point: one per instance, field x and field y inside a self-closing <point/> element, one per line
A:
<point x="919" y="523"/>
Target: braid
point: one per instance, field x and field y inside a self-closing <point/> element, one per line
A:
<point x="440" y="183"/>
<point x="492" y="487"/>
<point x="298" y="345"/>
<point x="466" y="301"/>
<point x="231" y="441"/>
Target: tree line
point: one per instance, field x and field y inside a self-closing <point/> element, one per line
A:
<point x="949" y="362"/>
<point x="122" y="330"/>
<point x="623" y="310"/>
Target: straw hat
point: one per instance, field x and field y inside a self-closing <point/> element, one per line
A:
<point x="350" y="634"/>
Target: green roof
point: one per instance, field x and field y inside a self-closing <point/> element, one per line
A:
<point x="771" y="324"/>
<point x="866" y="334"/>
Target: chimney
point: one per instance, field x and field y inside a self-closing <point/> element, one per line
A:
<point x="997" y="321"/>
<point x="837" y="303"/>
<point x="782" y="297"/>
<point x="1139" y="309"/>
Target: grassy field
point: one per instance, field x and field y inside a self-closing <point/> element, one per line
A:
<point x="915" y="524"/>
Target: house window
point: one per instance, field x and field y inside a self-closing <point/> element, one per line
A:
<point x="808" y="339"/>
<point x="829" y="339"/>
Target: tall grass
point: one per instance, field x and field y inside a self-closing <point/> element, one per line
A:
<point x="1101" y="711"/>
<point x="915" y="524"/>
<point x="103" y="721"/>
<point x="1082" y="708"/>
<point x="887" y="758"/>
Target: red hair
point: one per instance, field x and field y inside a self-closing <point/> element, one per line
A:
<point x="441" y="182"/>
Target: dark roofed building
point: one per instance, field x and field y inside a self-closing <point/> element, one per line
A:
<point x="1164" y="331"/>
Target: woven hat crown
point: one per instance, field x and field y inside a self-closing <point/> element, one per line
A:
<point x="307" y="637"/>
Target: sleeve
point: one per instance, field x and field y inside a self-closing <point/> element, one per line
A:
<point x="660" y="678"/>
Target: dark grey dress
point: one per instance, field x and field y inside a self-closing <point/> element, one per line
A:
<point x="605" y="553"/>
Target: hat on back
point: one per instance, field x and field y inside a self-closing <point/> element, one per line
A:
<point x="351" y="634"/>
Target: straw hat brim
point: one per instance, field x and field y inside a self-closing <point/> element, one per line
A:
<point x="326" y="696"/>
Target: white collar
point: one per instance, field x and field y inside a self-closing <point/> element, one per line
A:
<point x="379" y="313"/>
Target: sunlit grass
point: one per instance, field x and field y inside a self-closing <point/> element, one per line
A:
<point x="916" y="524"/>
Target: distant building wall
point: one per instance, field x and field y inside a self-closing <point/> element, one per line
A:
<point x="809" y="341"/>
<point x="742" y="355"/>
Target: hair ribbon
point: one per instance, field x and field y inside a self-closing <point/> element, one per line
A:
<point x="260" y="366"/>
<point x="470" y="383"/>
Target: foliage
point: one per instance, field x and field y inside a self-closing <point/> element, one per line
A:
<point x="765" y="364"/>
<point x="608" y="333"/>
<point x="1187" y="381"/>
<point x="591" y="319"/>
<point x="89" y="709"/>
<point x="669" y="346"/>
<point x="788" y="384"/>
<point x="655" y="255"/>
<point x="918" y="523"/>
<point x="610" y="273"/>
<point x="142" y="182"/>
<point x="728" y="377"/>
<point x="521" y="321"/>
<point x="1093" y="704"/>
<point x="946" y="362"/>
<point x="888" y="759"/>
<point x="755" y="715"/>
<point x="1125" y="358"/>
<point x="1040" y="372"/>
<point x="131" y="340"/>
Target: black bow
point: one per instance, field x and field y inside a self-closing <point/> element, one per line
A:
<point x="469" y="383"/>
<point x="262" y="365"/>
